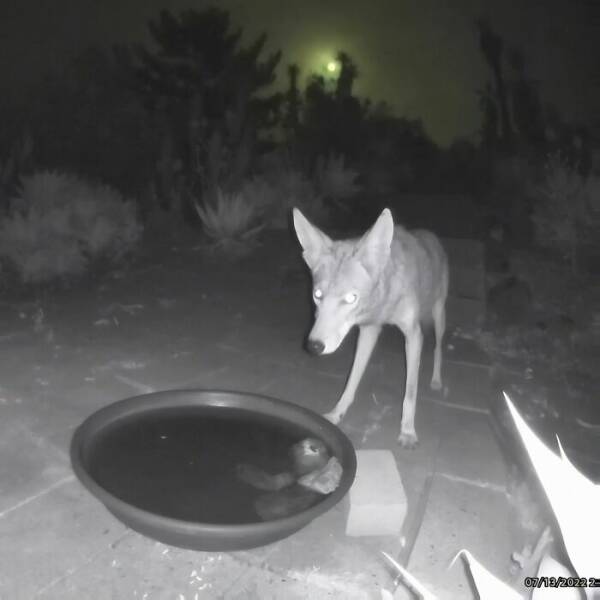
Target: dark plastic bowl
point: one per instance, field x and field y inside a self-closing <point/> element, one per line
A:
<point x="210" y="536"/>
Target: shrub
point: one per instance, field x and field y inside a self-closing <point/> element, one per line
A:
<point x="565" y="204"/>
<point x="278" y="195"/>
<point x="17" y="162"/>
<point x="279" y="188"/>
<point x="509" y="199"/>
<point x="333" y="180"/>
<point x="230" y="220"/>
<point x="58" y="224"/>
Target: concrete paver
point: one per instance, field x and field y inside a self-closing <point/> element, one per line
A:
<point x="28" y="467"/>
<point x="318" y="584"/>
<point x="461" y="516"/>
<point x="468" y="447"/>
<point x="475" y="457"/>
<point x="141" y="569"/>
<point x="50" y="537"/>
<point x="321" y="552"/>
<point x="467" y="388"/>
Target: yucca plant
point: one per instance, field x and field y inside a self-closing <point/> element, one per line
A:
<point x="230" y="220"/>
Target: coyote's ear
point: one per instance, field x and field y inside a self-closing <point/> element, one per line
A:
<point x="313" y="241"/>
<point x="374" y="246"/>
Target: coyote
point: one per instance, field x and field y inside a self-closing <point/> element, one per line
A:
<point x="388" y="276"/>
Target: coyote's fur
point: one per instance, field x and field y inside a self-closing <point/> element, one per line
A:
<point x="389" y="276"/>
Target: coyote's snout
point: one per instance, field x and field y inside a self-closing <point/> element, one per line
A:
<point x="389" y="276"/>
<point x="333" y="319"/>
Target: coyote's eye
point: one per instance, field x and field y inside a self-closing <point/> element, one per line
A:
<point x="318" y="294"/>
<point x="350" y="298"/>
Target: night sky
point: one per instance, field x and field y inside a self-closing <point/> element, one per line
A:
<point x="421" y="56"/>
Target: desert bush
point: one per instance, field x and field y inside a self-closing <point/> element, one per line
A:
<point x="229" y="219"/>
<point x="279" y="188"/>
<point x="334" y="180"/>
<point x="18" y="160"/>
<point x="566" y="203"/>
<point x="58" y="224"/>
<point x="509" y="199"/>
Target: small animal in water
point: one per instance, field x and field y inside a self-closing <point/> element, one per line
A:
<point x="312" y="473"/>
<point x="388" y="276"/>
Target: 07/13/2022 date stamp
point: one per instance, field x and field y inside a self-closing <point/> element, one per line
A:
<point x="562" y="582"/>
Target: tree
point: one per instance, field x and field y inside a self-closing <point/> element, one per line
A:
<point x="348" y="74"/>
<point x="209" y="92"/>
<point x="526" y="105"/>
<point x="333" y="119"/>
<point x="489" y="128"/>
<point x="291" y="120"/>
<point x="87" y="119"/>
<point x="492" y="47"/>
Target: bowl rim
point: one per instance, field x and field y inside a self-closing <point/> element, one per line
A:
<point x="216" y="398"/>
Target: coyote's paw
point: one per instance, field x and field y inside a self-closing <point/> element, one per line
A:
<point x="408" y="441"/>
<point x="334" y="417"/>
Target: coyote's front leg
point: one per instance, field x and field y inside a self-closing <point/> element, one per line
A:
<point x="367" y="337"/>
<point x="413" y="340"/>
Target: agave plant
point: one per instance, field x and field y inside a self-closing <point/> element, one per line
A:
<point x="230" y="219"/>
<point x="574" y="500"/>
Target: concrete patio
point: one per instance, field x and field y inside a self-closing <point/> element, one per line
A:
<point x="180" y="319"/>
